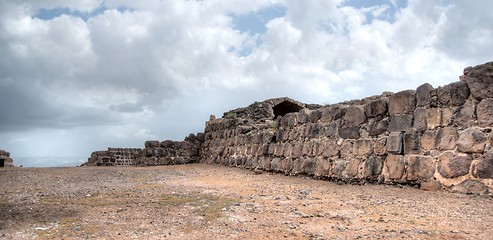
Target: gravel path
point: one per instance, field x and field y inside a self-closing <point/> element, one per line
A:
<point x="207" y="202"/>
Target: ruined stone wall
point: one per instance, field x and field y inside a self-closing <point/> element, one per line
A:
<point x="430" y="137"/>
<point x="155" y="153"/>
<point x="5" y="160"/>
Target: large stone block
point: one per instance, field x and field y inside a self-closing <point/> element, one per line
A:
<point x="349" y="132"/>
<point x="434" y="118"/>
<point x="419" y="168"/>
<point x="151" y="144"/>
<point x="471" y="187"/>
<point x="355" y="115"/>
<point x="352" y="168"/>
<point x="373" y="167"/>
<point x="471" y="140"/>
<point x="423" y="95"/>
<point x="322" y="168"/>
<point x="395" y="165"/>
<point x="454" y="165"/>
<point x="376" y="108"/>
<point x="378" y="127"/>
<point x="480" y="81"/>
<point x="330" y="148"/>
<point x="315" y="116"/>
<point x="400" y="123"/>
<point x="333" y="112"/>
<point x="484" y="167"/>
<point x="411" y="142"/>
<point x="395" y="143"/>
<point x="454" y="94"/>
<point x="485" y="112"/>
<point x="346" y="149"/>
<point x="402" y="102"/>
<point x="465" y="116"/>
<point x="446" y="138"/>
<point x="380" y="146"/>
<point x="332" y="129"/>
<point x="420" y="116"/>
<point x="363" y="147"/>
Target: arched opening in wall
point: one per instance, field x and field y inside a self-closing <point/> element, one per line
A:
<point x="2" y="162"/>
<point x="285" y="107"/>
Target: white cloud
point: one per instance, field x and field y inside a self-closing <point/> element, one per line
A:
<point x="143" y="69"/>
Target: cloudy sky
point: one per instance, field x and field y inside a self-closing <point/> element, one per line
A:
<point x="79" y="76"/>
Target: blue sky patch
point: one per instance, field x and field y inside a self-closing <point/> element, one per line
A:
<point x="389" y="14"/>
<point x="48" y="14"/>
<point x="254" y="22"/>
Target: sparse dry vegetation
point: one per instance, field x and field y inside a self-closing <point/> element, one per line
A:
<point x="206" y="202"/>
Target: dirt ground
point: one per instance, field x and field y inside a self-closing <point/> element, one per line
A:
<point x="210" y="202"/>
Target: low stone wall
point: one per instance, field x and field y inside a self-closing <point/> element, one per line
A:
<point x="155" y="153"/>
<point x="431" y="137"/>
<point x="5" y="160"/>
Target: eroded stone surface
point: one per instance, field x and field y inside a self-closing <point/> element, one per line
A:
<point x="454" y="165"/>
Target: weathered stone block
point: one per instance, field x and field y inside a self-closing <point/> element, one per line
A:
<point x="352" y="168"/>
<point x="315" y="116"/>
<point x="380" y="146"/>
<point x="485" y="112"/>
<point x="330" y="149"/>
<point x="419" y="168"/>
<point x="363" y="147"/>
<point x="454" y="94"/>
<point x="379" y="127"/>
<point x="420" y="115"/>
<point x="465" y="117"/>
<point x="338" y="168"/>
<point x="423" y="95"/>
<point x="471" y="187"/>
<point x="484" y="167"/>
<point x="322" y="168"/>
<point x="355" y="115"/>
<point x="400" y="123"/>
<point x="454" y="165"/>
<point x="376" y="108"/>
<point x="480" y="81"/>
<point x="332" y="129"/>
<point x="151" y="144"/>
<point x="434" y="118"/>
<point x="446" y="138"/>
<point x="349" y="132"/>
<point x="346" y="149"/>
<point x="333" y="112"/>
<point x="275" y="165"/>
<point x="395" y="165"/>
<point x="402" y="103"/>
<point x="395" y="143"/>
<point x="411" y="142"/>
<point x="373" y="167"/>
<point x="431" y="185"/>
<point x="471" y="140"/>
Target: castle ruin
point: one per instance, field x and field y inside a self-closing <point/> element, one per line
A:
<point x="434" y="138"/>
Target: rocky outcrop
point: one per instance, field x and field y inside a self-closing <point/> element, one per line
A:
<point x="155" y="153"/>
<point x="430" y="137"/>
<point x="5" y="160"/>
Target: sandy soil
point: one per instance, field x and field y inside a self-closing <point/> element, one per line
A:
<point x="210" y="202"/>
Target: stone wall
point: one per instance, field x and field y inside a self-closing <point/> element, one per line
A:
<point x="155" y="153"/>
<point x="5" y="160"/>
<point x="429" y="137"/>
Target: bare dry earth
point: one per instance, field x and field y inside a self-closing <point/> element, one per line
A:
<point x="207" y="202"/>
